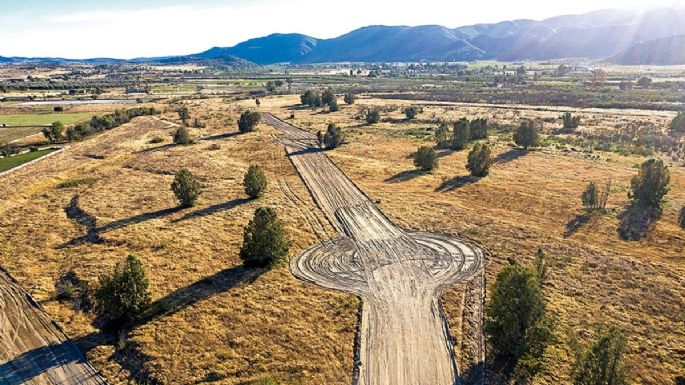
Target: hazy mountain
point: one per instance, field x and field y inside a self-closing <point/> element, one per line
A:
<point x="595" y="35"/>
<point x="665" y="51"/>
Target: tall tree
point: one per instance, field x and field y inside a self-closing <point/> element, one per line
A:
<point x="603" y="362"/>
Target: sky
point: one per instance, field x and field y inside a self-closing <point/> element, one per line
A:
<point x="145" y="28"/>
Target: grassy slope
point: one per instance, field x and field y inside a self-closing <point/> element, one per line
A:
<point x="44" y="119"/>
<point x="525" y="203"/>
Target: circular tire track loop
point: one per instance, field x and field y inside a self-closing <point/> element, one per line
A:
<point x="403" y="335"/>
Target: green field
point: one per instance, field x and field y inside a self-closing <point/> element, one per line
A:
<point x="14" y="161"/>
<point x="44" y="119"/>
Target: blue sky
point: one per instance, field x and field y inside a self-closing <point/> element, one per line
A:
<point x="135" y="28"/>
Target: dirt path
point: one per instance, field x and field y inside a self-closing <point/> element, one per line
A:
<point x="33" y="349"/>
<point x="399" y="275"/>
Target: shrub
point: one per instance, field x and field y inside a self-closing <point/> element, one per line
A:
<point x="644" y="82"/>
<point x="678" y="123"/>
<point x="333" y="106"/>
<point x="462" y="133"/>
<point x="265" y="241"/>
<point x="441" y="135"/>
<point x="479" y="129"/>
<point x="254" y="181"/>
<point x="425" y="158"/>
<point x="373" y="116"/>
<point x="156" y="140"/>
<point x="590" y="197"/>
<point x="122" y="296"/>
<point x="182" y="136"/>
<point x="6" y="150"/>
<point x="58" y="109"/>
<point x="681" y="218"/>
<point x="186" y="188"/>
<point x="411" y="112"/>
<point x="602" y="363"/>
<point x="319" y="138"/>
<point x="333" y="137"/>
<point x="479" y="160"/>
<point x="349" y="98"/>
<point x="311" y="99"/>
<point x="197" y="123"/>
<point x="328" y="97"/>
<point x="527" y="135"/>
<point x="570" y="121"/>
<point x="184" y="114"/>
<point x="516" y="322"/>
<point x="650" y="185"/>
<point x="248" y="121"/>
<point x="54" y="133"/>
<point x="625" y="85"/>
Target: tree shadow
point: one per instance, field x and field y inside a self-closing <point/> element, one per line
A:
<point x="473" y="375"/>
<point x="125" y="222"/>
<point x="158" y="148"/>
<point x="212" y="210"/>
<point x="444" y="153"/>
<point x="637" y="221"/>
<point x="679" y="380"/>
<point x="576" y="224"/>
<point x="510" y="155"/>
<point x="405" y="176"/>
<point x="457" y="182"/>
<point x="221" y="136"/>
<point x="25" y="367"/>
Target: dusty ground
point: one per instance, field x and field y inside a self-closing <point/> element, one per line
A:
<point x="227" y="326"/>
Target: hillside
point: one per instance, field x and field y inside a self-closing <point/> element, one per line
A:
<point x="666" y="51"/>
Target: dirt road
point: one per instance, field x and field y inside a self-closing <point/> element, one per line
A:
<point x="399" y="275"/>
<point x="33" y="350"/>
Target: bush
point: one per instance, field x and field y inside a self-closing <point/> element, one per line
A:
<point x="590" y="197"/>
<point x="527" y="135"/>
<point x="186" y="188"/>
<point x="328" y="97"/>
<point x="54" y="133"/>
<point x="182" y="136"/>
<point x="333" y="137"/>
<point x="479" y="160"/>
<point x="644" y="82"/>
<point x="462" y="133"/>
<point x="425" y="158"/>
<point x="411" y="112"/>
<point x="479" y="129"/>
<point x="517" y="325"/>
<point x="650" y="185"/>
<point x="184" y="114"/>
<point x="678" y="123"/>
<point x="602" y="363"/>
<point x="122" y="296"/>
<point x="373" y="116"/>
<point x="248" y="121"/>
<point x="311" y="99"/>
<point x="254" y="182"/>
<point x="570" y="121"/>
<point x="333" y="106"/>
<point x="441" y="135"/>
<point x="58" y="109"/>
<point x="349" y="98"/>
<point x="265" y="241"/>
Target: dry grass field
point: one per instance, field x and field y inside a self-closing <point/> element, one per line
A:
<point x="219" y="323"/>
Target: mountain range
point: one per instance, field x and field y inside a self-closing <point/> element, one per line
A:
<point x="624" y="37"/>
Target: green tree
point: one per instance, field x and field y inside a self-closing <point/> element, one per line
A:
<point x="182" y="136"/>
<point x="373" y="116"/>
<point x="333" y="106"/>
<point x="248" y="121"/>
<point x="479" y="129"/>
<point x="441" y="135"/>
<point x="590" y="197"/>
<point x="650" y="185"/>
<point x="328" y="97"/>
<point x="184" y="114"/>
<point x="123" y="295"/>
<point x="479" y="160"/>
<point x="678" y="123"/>
<point x="517" y="325"/>
<point x="265" y="241"/>
<point x="570" y="121"/>
<point x="527" y="134"/>
<point x="349" y="98"/>
<point x="462" y="133"/>
<point x="411" y="112"/>
<point x="54" y="133"/>
<point x="186" y="188"/>
<point x="644" y="82"/>
<point x="602" y="363"/>
<point x="254" y="181"/>
<point x="425" y="158"/>
<point x="333" y="137"/>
